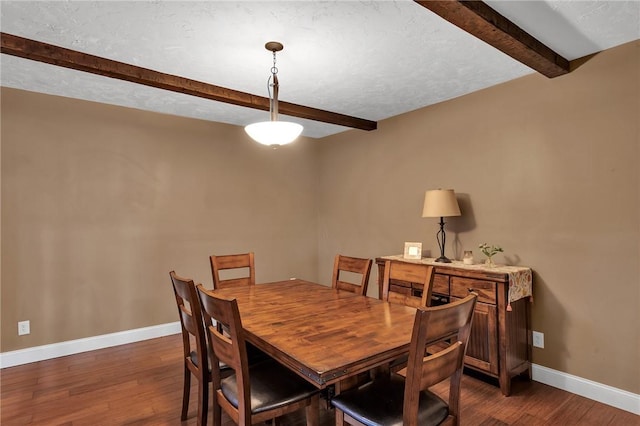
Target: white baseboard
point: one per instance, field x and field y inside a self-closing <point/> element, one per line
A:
<point x="55" y="350"/>
<point x="589" y="389"/>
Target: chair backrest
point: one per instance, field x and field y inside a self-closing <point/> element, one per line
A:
<point x="418" y="277"/>
<point x="191" y="324"/>
<point x="354" y="265"/>
<point x="228" y="347"/>
<point x="232" y="261"/>
<point x="450" y="325"/>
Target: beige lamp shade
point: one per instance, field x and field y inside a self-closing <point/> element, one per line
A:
<point x="440" y="203"/>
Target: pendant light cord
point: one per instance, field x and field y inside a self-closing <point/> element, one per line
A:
<point x="273" y="99"/>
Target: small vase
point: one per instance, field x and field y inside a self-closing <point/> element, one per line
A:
<point x="467" y="259"/>
<point x="489" y="263"/>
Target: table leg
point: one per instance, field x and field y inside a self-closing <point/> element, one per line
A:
<point x="313" y="412"/>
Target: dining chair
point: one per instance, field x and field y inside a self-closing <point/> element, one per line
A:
<point x="351" y="265"/>
<point x="415" y="291"/>
<point x="253" y="393"/>
<point x="237" y="262"/>
<point x="417" y="279"/>
<point x="403" y="398"/>
<point x="233" y="262"/>
<point x="194" y="345"/>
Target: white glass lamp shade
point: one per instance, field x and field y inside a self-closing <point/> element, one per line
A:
<point x="440" y="203"/>
<point x="274" y="132"/>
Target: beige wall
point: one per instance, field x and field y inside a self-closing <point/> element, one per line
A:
<point x="546" y="168"/>
<point x="101" y="202"/>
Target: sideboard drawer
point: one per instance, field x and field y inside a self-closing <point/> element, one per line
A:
<point x="486" y="289"/>
<point x="441" y="284"/>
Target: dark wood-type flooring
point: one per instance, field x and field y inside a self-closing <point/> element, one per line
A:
<point x="141" y="384"/>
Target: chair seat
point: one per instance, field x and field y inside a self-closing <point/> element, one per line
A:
<point x="194" y="358"/>
<point x="381" y="402"/>
<point x="272" y="386"/>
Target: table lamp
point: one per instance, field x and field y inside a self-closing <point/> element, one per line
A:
<point x="441" y="203"/>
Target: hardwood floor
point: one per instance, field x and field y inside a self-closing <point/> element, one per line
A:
<point x="141" y="384"/>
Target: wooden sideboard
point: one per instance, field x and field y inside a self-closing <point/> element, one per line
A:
<point x="500" y="342"/>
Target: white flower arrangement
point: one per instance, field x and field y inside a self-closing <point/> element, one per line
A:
<point x="489" y="251"/>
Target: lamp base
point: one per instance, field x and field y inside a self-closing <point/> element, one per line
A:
<point x="443" y="259"/>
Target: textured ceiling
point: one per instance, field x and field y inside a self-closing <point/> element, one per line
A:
<point x="369" y="59"/>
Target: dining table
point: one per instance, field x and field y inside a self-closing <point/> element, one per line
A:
<point x="325" y="335"/>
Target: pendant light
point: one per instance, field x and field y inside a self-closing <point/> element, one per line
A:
<point x="274" y="132"/>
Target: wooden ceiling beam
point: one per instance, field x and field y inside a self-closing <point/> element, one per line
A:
<point x="483" y="22"/>
<point x="60" y="56"/>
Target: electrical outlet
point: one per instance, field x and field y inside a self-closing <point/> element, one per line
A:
<point x="24" y="327"/>
<point x="538" y="340"/>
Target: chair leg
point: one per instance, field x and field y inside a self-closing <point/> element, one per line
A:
<point x="185" y="393"/>
<point x="217" y="411"/>
<point x="339" y="417"/>
<point x="312" y="411"/>
<point x="344" y="419"/>
<point x="203" y="402"/>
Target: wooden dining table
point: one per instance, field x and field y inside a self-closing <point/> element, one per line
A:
<point x="324" y="335"/>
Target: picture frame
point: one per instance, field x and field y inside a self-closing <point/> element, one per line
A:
<point x="412" y="251"/>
